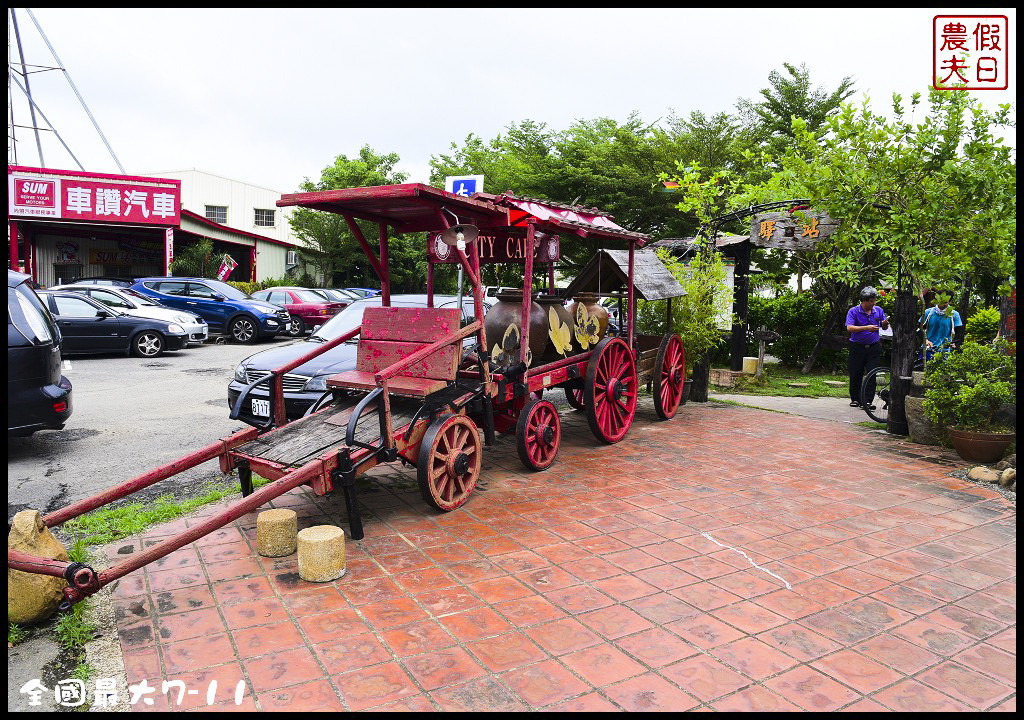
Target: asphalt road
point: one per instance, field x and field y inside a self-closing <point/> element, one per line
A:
<point x="130" y="415"/>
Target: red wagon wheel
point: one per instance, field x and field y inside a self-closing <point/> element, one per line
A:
<point x="449" y="461"/>
<point x="669" y="375"/>
<point x="574" y="394"/>
<point x="611" y="389"/>
<point x="538" y="434"/>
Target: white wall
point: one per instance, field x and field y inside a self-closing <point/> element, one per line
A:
<point x="200" y="188"/>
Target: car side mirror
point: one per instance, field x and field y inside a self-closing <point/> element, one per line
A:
<point x="218" y="297"/>
<point x="100" y="314"/>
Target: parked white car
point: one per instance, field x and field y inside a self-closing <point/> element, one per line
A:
<point x="135" y="303"/>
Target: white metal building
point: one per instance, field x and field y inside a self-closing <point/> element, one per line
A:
<point x="243" y="214"/>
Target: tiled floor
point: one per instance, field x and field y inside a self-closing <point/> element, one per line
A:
<point x="729" y="559"/>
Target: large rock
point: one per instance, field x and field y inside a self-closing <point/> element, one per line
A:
<point x="33" y="598"/>
<point x="1008" y="477"/>
<point x="983" y="474"/>
<point x="922" y="430"/>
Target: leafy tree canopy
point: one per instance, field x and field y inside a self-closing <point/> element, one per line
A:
<point x="331" y="245"/>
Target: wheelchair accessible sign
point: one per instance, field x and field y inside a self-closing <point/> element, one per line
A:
<point x="464" y="185"/>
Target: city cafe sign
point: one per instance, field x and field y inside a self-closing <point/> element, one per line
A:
<point x="502" y="247"/>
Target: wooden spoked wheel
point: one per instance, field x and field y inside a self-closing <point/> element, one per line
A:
<point x="538" y="434"/>
<point x="449" y="461"/>
<point x="669" y="376"/>
<point x="611" y="389"/>
<point x="574" y="395"/>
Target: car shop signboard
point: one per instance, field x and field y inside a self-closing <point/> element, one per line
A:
<point x="66" y="195"/>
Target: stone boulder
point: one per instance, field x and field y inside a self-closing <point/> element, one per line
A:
<point x="983" y="474"/>
<point x="1008" y="477"/>
<point x="922" y="430"/>
<point x="33" y="598"/>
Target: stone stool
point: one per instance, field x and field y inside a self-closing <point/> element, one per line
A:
<point x="321" y="553"/>
<point x="275" y="532"/>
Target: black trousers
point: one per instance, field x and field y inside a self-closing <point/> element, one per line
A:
<point x="863" y="359"/>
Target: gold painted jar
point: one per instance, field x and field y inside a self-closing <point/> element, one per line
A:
<point x="508" y="311"/>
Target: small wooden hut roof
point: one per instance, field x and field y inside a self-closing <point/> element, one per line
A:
<point x="608" y="272"/>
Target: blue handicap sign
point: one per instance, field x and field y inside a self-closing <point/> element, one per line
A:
<point x="464" y="187"/>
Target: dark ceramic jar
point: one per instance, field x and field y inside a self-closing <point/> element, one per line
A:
<point x="509" y="311"/>
<point x="594" y="309"/>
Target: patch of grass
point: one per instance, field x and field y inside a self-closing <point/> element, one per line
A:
<point x="872" y="425"/>
<point x="15" y="634"/>
<point x="776" y="379"/>
<point x="83" y="671"/>
<point x="114" y="523"/>
<point x="72" y="629"/>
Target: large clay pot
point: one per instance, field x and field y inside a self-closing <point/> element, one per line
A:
<point x="978" y="446"/>
<point x="589" y="300"/>
<point x="564" y="320"/>
<point x="509" y="311"/>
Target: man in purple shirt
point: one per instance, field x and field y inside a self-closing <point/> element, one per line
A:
<point x="863" y="322"/>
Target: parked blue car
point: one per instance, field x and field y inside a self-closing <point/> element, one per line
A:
<point x="226" y="309"/>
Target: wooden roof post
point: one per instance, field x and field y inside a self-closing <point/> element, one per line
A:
<point x="385" y="278"/>
<point x="524" y="328"/>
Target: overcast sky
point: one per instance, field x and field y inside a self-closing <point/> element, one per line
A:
<point x="272" y="96"/>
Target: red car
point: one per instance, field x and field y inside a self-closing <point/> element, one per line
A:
<point x="309" y="310"/>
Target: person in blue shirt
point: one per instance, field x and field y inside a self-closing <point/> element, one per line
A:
<point x="940" y="322"/>
<point x="863" y="322"/>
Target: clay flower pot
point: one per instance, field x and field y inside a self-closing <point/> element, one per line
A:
<point x="980" y="447"/>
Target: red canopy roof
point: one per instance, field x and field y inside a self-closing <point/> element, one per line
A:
<point x="415" y="207"/>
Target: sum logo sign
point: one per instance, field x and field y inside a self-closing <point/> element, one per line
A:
<point x="35" y="193"/>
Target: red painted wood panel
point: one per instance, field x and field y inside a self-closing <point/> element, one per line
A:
<point x="405" y="324"/>
<point x="402" y="386"/>
<point x="374" y="356"/>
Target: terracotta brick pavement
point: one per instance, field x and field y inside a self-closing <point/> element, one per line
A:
<point x="622" y="578"/>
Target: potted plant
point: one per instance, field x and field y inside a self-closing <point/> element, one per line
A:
<point x="969" y="393"/>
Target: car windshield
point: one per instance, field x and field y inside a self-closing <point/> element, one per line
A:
<point x="226" y="290"/>
<point x="139" y="298"/>
<point x="309" y="296"/>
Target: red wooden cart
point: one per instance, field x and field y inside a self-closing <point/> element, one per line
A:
<point x="415" y="395"/>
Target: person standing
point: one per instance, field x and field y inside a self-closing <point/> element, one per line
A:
<point x="939" y="323"/>
<point x="863" y="322"/>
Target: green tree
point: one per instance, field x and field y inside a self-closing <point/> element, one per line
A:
<point x="196" y="260"/>
<point x="599" y="163"/>
<point x="330" y="244"/>
<point x="918" y="203"/>
<point x="789" y="96"/>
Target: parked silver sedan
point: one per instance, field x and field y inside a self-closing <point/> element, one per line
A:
<point x="135" y="303"/>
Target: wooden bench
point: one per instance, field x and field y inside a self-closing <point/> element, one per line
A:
<point x="391" y="334"/>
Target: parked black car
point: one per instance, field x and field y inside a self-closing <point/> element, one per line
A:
<point x="307" y="383"/>
<point x="89" y="327"/>
<point x="38" y="396"/>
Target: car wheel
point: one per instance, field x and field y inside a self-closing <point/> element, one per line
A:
<point x="244" y="330"/>
<point x="296" y="327"/>
<point x="148" y="344"/>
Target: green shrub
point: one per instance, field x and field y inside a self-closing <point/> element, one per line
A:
<point x="983" y="325"/>
<point x="797" y="318"/>
<point x="966" y="390"/>
<point x="247" y="287"/>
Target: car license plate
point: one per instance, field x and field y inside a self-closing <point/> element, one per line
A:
<point x="261" y="408"/>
